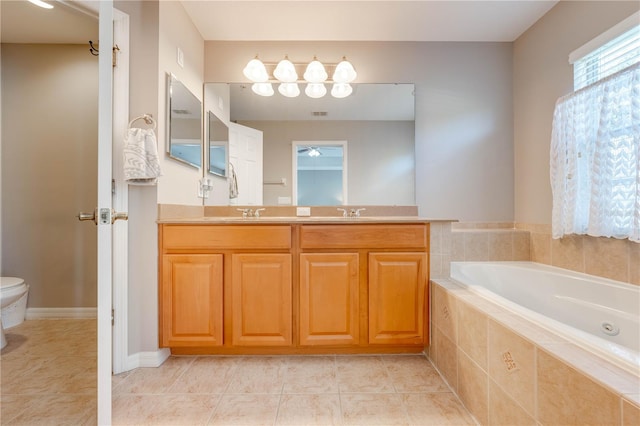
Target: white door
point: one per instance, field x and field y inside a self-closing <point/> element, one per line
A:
<point x="245" y="154"/>
<point x="105" y="87"/>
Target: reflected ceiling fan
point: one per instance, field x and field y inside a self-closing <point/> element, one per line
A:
<point x="312" y="151"/>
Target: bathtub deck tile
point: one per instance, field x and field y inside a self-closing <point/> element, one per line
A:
<point x="634" y="397"/>
<point x="526" y="328"/>
<point x="607" y="374"/>
<point x="482" y="304"/>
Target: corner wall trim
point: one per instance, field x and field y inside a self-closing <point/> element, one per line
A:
<point x="148" y="359"/>
<point x="61" y="313"/>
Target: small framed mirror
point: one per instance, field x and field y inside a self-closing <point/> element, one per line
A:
<point x="184" y="123"/>
<point x="218" y="143"/>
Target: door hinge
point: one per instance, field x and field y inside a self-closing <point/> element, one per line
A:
<point x="112" y="316"/>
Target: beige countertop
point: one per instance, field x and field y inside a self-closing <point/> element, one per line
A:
<point x="333" y="220"/>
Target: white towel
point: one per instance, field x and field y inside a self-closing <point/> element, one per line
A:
<point x="141" y="162"/>
<point x="233" y="182"/>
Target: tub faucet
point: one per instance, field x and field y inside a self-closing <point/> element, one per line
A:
<point x="256" y="213"/>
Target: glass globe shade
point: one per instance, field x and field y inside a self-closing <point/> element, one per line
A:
<point x="290" y="90"/>
<point x="315" y="72"/>
<point x="341" y="90"/>
<point x="344" y="72"/>
<point x="315" y="90"/>
<point x="262" y="89"/>
<point x="286" y="71"/>
<point x="256" y="71"/>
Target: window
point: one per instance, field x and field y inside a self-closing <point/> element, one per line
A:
<point x="607" y="54"/>
<point x="595" y="148"/>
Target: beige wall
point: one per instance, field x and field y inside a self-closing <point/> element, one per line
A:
<point x="156" y="30"/>
<point x="49" y="165"/>
<point x="143" y="235"/>
<point x="541" y="74"/>
<point x="464" y="147"/>
<point x="179" y="183"/>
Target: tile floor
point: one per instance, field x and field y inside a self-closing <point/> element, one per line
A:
<point x="48" y="373"/>
<point x="48" y="377"/>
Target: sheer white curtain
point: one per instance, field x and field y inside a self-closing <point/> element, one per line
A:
<point x="595" y="159"/>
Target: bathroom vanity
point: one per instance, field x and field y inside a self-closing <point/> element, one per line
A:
<point x="293" y="285"/>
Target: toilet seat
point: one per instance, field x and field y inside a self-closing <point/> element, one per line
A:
<point x="11" y="287"/>
<point x="8" y="282"/>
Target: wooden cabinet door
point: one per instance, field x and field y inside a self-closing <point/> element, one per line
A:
<point x="397" y="284"/>
<point x="261" y="299"/>
<point x="192" y="300"/>
<point x="329" y="311"/>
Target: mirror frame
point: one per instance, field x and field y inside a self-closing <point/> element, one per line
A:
<point x="172" y="83"/>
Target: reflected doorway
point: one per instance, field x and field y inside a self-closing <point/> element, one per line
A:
<point x="319" y="173"/>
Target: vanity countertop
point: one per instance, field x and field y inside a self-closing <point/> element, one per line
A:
<point x="333" y="220"/>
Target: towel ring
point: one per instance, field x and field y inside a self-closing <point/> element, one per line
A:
<point x="148" y="118"/>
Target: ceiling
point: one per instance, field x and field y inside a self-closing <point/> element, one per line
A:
<point x="71" y="22"/>
<point x="363" y="20"/>
<point x="74" y="21"/>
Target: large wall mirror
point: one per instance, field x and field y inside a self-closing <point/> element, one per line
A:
<point x="376" y="122"/>
<point x="218" y="144"/>
<point x="184" y="123"/>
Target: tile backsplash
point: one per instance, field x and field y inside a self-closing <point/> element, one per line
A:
<point x="472" y="241"/>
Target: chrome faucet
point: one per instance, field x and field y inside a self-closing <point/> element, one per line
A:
<point x="250" y="212"/>
<point x="355" y="212"/>
<point x="351" y="212"/>
<point x="246" y="213"/>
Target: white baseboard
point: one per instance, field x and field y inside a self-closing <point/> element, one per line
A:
<point x="61" y="313"/>
<point x="147" y="359"/>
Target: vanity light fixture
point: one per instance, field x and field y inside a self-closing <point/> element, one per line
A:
<point x="286" y="71"/>
<point x="315" y="75"/>
<point x="290" y="90"/>
<point x="315" y="90"/>
<point x="344" y="72"/>
<point x="41" y="4"/>
<point x="315" y="72"/>
<point x="256" y="71"/>
<point x="262" y="89"/>
<point x="341" y="90"/>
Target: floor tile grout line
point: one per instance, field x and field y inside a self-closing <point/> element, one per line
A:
<point x="215" y="409"/>
<point x="185" y="369"/>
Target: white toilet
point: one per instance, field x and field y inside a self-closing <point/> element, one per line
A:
<point x="13" y="303"/>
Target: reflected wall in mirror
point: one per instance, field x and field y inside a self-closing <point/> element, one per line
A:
<point x="218" y="143"/>
<point x="377" y="121"/>
<point x="184" y="123"/>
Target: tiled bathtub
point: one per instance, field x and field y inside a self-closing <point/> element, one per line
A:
<point x="509" y="371"/>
